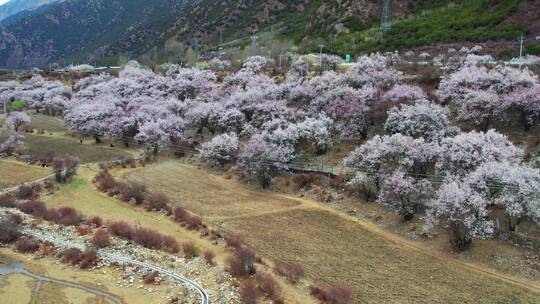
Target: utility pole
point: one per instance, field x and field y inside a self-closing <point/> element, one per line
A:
<point x="320" y="56"/>
<point x="253" y="45"/>
<point x="220" y="37"/>
<point x="5" y="115"/>
<point x="520" y="51"/>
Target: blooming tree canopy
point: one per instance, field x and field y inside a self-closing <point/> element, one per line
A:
<point x="16" y="120"/>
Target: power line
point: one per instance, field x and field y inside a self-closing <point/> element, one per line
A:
<point x="306" y="166"/>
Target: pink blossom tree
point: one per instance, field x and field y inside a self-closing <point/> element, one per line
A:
<point x="404" y="93"/>
<point x="264" y="159"/>
<point x="465" y="152"/>
<point x="8" y="147"/>
<point x="514" y="188"/>
<point x="221" y="149"/>
<point x="380" y="157"/>
<point x="16" y="120"/>
<point x="479" y="94"/>
<point x="404" y="194"/>
<point x="527" y="102"/>
<point x="424" y="119"/>
<point x="463" y="209"/>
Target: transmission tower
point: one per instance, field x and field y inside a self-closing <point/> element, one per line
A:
<point x="385" y="23"/>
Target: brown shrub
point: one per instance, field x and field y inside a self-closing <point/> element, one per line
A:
<point x="121" y="229"/>
<point x="88" y="259"/>
<point x="304" y="180"/>
<point x="241" y="263"/>
<point x="7" y="201"/>
<point x="293" y="272"/>
<point x="17" y="218"/>
<point x="332" y="294"/>
<point x="96" y="221"/>
<point x="190" y="251"/>
<point x="249" y="291"/>
<point x="156" y="202"/>
<point x="233" y="240"/>
<point x="82" y="230"/>
<point x="180" y="214"/>
<point x="51" y="215"/>
<point x="46" y="249"/>
<point x="33" y="207"/>
<point x="209" y="257"/>
<point x="150" y="278"/>
<point x="9" y="230"/>
<point x="337" y="181"/>
<point x="26" y="245"/>
<point x="71" y="255"/>
<point x="68" y="216"/>
<point x="26" y="192"/>
<point x="148" y="238"/>
<point x="104" y="181"/>
<point x="101" y="238"/>
<point x="268" y="285"/>
<point x="130" y="191"/>
<point x="194" y="222"/>
<point x="170" y="244"/>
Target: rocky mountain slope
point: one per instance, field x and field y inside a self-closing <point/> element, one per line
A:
<point x="14" y="7"/>
<point x="87" y="30"/>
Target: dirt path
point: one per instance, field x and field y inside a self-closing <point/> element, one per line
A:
<point x="334" y="247"/>
<point x="529" y="284"/>
<point x="409" y="244"/>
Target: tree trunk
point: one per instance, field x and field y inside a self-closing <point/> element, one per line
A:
<point x="459" y="239"/>
<point x="97" y="139"/>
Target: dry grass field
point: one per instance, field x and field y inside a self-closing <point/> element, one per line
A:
<point x="13" y="173"/>
<point x="87" y="151"/>
<point x="335" y="248"/>
<point x="47" y="123"/>
<point x="81" y="194"/>
<point x="20" y="289"/>
<point x="211" y="197"/>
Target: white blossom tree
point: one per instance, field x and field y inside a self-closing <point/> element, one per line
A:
<point x="221" y="149"/>
<point x="17" y="119"/>
<point x="424" y="119"/>
<point x="465" y="152"/>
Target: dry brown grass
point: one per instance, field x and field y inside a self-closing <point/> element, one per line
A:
<point x="209" y="196"/>
<point x="13" y="173"/>
<point x="334" y="248"/>
<point x="336" y="251"/>
<point x="47" y="122"/>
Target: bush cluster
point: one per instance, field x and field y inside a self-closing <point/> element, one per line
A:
<point x="332" y="294"/>
<point x="7" y="201"/>
<point x="156" y="202"/>
<point x="293" y="272"/>
<point x="251" y="289"/>
<point x="26" y="245"/>
<point x="145" y="237"/>
<point x="75" y="256"/>
<point x="9" y="229"/>
<point x="101" y="238"/>
<point x="28" y="191"/>
<point x="241" y="263"/>
<point x="65" y="216"/>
